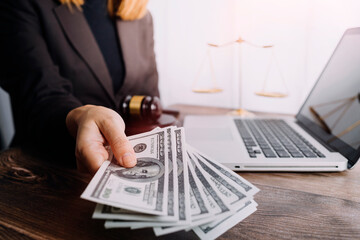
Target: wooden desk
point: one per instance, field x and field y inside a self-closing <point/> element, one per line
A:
<point x="41" y="201"/>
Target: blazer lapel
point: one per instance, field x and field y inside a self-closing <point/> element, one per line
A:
<point x="127" y="33"/>
<point x="82" y="39"/>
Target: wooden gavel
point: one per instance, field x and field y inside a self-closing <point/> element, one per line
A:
<point x="146" y="108"/>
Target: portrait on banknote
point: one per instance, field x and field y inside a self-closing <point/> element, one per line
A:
<point x="146" y="170"/>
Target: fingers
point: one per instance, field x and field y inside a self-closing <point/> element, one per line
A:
<point x="113" y="130"/>
<point x="90" y="150"/>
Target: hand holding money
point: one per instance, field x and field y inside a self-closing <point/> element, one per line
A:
<point x="93" y="127"/>
<point x="173" y="187"/>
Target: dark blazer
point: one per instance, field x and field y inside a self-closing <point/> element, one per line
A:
<point x="50" y="64"/>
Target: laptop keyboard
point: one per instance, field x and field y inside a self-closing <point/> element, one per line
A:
<point x="274" y="138"/>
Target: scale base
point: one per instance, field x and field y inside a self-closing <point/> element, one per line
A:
<point x="241" y="112"/>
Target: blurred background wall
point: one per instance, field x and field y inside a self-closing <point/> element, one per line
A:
<point x="304" y="34"/>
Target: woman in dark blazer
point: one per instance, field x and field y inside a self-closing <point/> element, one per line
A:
<point x="65" y="78"/>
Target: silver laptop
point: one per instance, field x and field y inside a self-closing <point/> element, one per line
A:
<point x="324" y="135"/>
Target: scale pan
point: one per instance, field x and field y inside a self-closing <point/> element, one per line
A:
<point x="271" y="94"/>
<point x="207" y="90"/>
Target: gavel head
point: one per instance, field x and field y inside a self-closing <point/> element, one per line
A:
<point x="146" y="108"/>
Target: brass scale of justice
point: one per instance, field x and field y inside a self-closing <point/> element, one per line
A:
<point x="240" y="40"/>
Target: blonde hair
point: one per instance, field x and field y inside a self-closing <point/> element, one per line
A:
<point x="128" y="10"/>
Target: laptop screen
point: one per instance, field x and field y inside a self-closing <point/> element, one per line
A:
<point x="332" y="110"/>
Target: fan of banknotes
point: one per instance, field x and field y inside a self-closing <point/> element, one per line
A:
<point x="173" y="187"/>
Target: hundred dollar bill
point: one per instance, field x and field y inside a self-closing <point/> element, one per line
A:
<point x="108" y="212"/>
<point x="220" y="193"/>
<point x="200" y="208"/>
<point x="213" y="207"/>
<point x="215" y="229"/>
<point x="143" y="188"/>
<point x="217" y="198"/>
<point x="133" y="225"/>
<point x="173" y="195"/>
<point x="232" y="195"/>
<point x="199" y="204"/>
<point x="209" y="230"/>
<point x="203" y="209"/>
<point x="194" y="222"/>
<point x="225" y="172"/>
<point x="217" y="195"/>
<point x="183" y="182"/>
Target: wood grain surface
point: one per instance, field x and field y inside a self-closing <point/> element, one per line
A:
<point x="41" y="200"/>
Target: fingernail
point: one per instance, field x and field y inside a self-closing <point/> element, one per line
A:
<point x="129" y="159"/>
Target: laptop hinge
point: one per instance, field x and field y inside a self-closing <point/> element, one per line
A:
<point x="322" y="142"/>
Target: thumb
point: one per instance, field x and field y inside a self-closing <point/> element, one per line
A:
<point x="113" y="131"/>
<point x="90" y="151"/>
